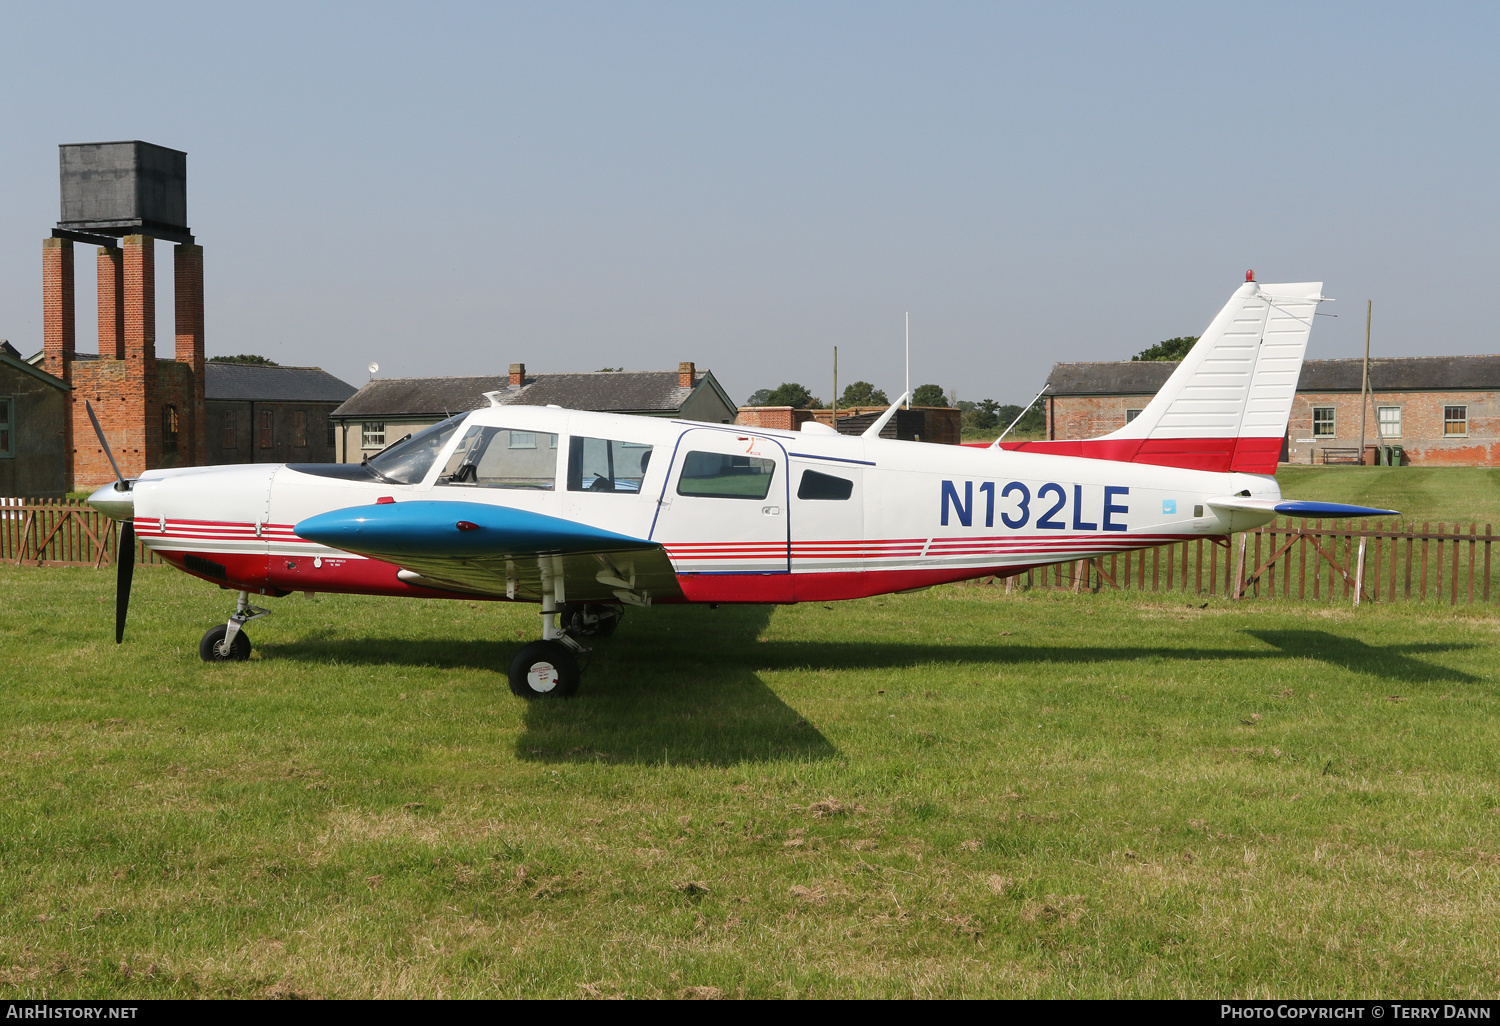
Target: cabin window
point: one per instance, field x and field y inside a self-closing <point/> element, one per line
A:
<point x="267" y="428"/>
<point x="606" y="465"/>
<point x="823" y="486"/>
<point x="372" y="434"/>
<point x="7" y="427"/>
<point x="1388" y="420"/>
<point x="299" y="428"/>
<point x="229" y="428"/>
<point x="409" y="460"/>
<point x="169" y="429"/>
<point x="718" y="475"/>
<point x="1455" y="421"/>
<point x="488" y="457"/>
<point x="1324" y="425"/>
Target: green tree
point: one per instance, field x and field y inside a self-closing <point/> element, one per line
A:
<point x="862" y="393"/>
<point x="929" y="395"/>
<point x="982" y="416"/>
<point x="1167" y="349"/>
<point x="250" y="358"/>
<point x="609" y="370"/>
<point x="788" y="393"/>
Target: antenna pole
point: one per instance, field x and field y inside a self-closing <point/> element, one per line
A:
<point x="833" y="421"/>
<point x="908" y="359"/>
<point x="1364" y="382"/>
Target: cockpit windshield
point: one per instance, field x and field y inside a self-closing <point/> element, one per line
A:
<point x="408" y="461"/>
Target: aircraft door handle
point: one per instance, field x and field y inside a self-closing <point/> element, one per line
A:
<point x="771" y="511"/>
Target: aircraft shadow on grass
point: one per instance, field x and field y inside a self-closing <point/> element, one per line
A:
<point x="687" y="689"/>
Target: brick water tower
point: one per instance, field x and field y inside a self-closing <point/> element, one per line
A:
<point x="123" y="197"/>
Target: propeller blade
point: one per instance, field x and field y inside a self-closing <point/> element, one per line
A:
<point x="124" y="573"/>
<point x="104" y="443"/>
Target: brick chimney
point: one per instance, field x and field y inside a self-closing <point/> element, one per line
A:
<point x="517" y="375"/>
<point x="685" y="374"/>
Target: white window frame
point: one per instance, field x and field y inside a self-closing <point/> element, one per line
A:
<point x="1132" y="414"/>
<point x="1380" y="426"/>
<point x="372" y="434"/>
<point x="1333" y="422"/>
<point x="1448" y="420"/>
<point x="523" y="440"/>
<point x="8" y="426"/>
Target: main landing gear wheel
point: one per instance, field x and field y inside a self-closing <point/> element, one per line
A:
<point x="213" y="649"/>
<point x="544" y="669"/>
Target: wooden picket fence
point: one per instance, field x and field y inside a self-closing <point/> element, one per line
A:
<point x="60" y="532"/>
<point x="1350" y="561"/>
<point x="1301" y="560"/>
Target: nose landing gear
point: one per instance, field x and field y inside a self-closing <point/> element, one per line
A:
<point x="228" y="642"/>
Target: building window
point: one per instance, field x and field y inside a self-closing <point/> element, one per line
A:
<point x="1323" y="422"/>
<point x="1131" y="415"/>
<point x="267" y="428"/>
<point x="299" y="428"/>
<point x="372" y="434"/>
<point x="332" y="433"/>
<point x="523" y="440"/>
<point x="231" y="426"/>
<point x="7" y="427"/>
<point x="1455" y="421"/>
<point x="169" y="429"/>
<point x="1388" y="419"/>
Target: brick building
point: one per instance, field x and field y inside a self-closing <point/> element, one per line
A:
<point x="1441" y="410"/>
<point x="388" y="408"/>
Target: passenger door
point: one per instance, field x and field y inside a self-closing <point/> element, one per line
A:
<point x="724" y="508"/>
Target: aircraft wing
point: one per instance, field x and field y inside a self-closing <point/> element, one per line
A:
<point x="1299" y="507"/>
<point x="496" y="550"/>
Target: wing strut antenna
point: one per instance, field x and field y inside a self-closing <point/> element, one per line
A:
<point x="873" y="431"/>
<point x="996" y="443"/>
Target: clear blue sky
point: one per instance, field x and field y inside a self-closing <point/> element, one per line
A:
<point x="447" y="188"/>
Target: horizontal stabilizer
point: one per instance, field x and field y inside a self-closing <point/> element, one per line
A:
<point x="1300" y="507"/>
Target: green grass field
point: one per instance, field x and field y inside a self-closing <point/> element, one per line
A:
<point x="1436" y="494"/>
<point x="949" y="793"/>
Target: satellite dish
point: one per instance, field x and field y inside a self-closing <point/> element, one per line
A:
<point x="374" y="367"/>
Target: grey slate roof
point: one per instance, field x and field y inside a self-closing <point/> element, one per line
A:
<point x="1389" y="374"/>
<point x="602" y="392"/>
<point x="247" y="382"/>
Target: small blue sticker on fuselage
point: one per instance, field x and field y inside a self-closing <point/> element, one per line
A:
<point x="1169" y="505"/>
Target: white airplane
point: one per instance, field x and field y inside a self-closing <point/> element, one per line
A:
<point x="587" y="513"/>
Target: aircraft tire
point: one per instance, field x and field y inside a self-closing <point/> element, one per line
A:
<point x="544" y="669"/>
<point x="208" y="648"/>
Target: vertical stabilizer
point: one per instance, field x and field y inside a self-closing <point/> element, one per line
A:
<point x="1226" y="406"/>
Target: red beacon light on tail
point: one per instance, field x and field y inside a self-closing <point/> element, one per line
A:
<point x="1249" y="275"/>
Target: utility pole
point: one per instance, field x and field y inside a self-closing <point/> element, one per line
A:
<point x="1364" y="382"/>
<point x="908" y="359"/>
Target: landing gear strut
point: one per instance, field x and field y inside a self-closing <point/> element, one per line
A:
<point x="549" y="668"/>
<point x="228" y="642"/>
